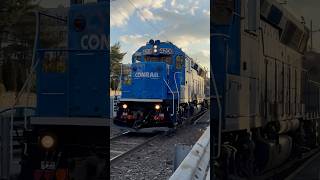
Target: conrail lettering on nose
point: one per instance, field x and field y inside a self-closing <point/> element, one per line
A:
<point x="147" y="74"/>
<point x="94" y="41"/>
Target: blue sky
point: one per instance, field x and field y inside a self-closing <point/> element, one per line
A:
<point x="177" y="20"/>
<point x="185" y="23"/>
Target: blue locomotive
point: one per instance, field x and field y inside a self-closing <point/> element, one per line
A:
<point x="164" y="88"/>
<point x="265" y="106"/>
<point x="71" y="84"/>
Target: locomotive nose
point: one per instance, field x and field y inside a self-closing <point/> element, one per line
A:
<point x="159" y="69"/>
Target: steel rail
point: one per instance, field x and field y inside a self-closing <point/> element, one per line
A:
<point x="286" y="170"/>
<point x="200" y="117"/>
<point x="303" y="165"/>
<point x="117" y="157"/>
<point x="119" y="135"/>
<point x="139" y="145"/>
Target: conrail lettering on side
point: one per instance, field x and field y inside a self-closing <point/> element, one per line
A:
<point x="94" y="41"/>
<point x="146" y="75"/>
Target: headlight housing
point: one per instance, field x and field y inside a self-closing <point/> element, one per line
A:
<point x="47" y="141"/>
<point x="157" y="106"/>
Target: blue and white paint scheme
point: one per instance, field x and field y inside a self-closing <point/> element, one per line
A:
<point x="258" y="103"/>
<point x="161" y="73"/>
<point x="257" y="49"/>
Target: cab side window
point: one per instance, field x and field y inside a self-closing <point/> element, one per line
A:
<point x="179" y="62"/>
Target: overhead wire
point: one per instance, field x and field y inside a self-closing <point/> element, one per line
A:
<point x="146" y="19"/>
<point x="134" y="25"/>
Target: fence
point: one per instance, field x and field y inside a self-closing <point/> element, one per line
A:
<point x="196" y="165"/>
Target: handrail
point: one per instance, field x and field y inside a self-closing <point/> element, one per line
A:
<point x="225" y="37"/>
<point x="16" y="107"/>
<point x="196" y="165"/>
<point x="172" y="96"/>
<point x="220" y="114"/>
<point x="178" y="92"/>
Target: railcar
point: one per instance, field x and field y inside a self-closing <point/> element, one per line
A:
<point x="264" y="103"/>
<point x="165" y="87"/>
<point x="67" y="136"/>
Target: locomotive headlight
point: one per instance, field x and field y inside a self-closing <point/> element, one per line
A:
<point x="155" y="46"/>
<point x="155" y="50"/>
<point x="124" y="106"/>
<point x="47" y="141"/>
<point x="157" y="106"/>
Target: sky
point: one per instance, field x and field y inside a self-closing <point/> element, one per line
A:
<point x="184" y="22"/>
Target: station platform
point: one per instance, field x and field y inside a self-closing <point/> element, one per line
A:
<point x="308" y="170"/>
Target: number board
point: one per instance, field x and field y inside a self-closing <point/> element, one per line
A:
<point x="147" y="51"/>
<point x="161" y="51"/>
<point x="165" y="51"/>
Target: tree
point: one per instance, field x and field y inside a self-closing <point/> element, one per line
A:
<point x="12" y="12"/>
<point x="116" y="57"/>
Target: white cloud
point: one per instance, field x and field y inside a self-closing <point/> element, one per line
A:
<point x="122" y="10"/>
<point x="185" y="41"/>
<point x="187" y="25"/>
<point x="197" y="28"/>
<point x="119" y="18"/>
<point x="133" y="42"/>
<point x="183" y="7"/>
<point x="173" y="2"/>
<point x="202" y="58"/>
<point x="158" y="3"/>
<point x="206" y="12"/>
<point x="205" y="52"/>
<point x="194" y="7"/>
<point x="134" y="39"/>
<point x="145" y="15"/>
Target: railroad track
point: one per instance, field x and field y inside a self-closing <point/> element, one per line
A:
<point x="199" y="119"/>
<point x="123" y="144"/>
<point x="290" y="168"/>
<point x="119" y="135"/>
<point x="309" y="158"/>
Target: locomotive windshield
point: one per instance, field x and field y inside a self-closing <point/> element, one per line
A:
<point x="166" y="59"/>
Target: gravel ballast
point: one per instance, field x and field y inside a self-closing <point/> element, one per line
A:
<point x="155" y="159"/>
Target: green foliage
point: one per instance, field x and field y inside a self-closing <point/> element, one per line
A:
<point x="116" y="57"/>
<point x="13" y="10"/>
<point x="15" y="22"/>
